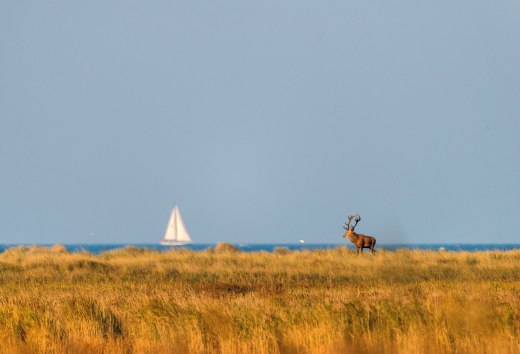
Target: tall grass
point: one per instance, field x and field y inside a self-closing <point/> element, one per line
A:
<point x="181" y="301"/>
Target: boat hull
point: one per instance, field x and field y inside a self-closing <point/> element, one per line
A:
<point x="173" y="243"/>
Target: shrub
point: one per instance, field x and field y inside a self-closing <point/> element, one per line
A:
<point x="281" y="250"/>
<point x="223" y="247"/>
<point x="59" y="248"/>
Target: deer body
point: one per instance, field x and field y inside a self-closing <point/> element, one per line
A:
<point x="359" y="240"/>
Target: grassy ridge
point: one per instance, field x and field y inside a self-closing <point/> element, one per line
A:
<point x="135" y="300"/>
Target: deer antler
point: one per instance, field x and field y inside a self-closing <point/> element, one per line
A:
<point x="357" y="218"/>
<point x="347" y="226"/>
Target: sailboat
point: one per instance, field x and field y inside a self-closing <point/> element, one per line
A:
<point x="176" y="233"/>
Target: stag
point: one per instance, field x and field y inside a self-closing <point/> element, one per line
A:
<point x="361" y="241"/>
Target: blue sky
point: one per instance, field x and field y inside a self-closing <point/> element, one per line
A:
<point x="265" y="121"/>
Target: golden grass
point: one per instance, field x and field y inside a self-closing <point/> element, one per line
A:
<point x="180" y="301"/>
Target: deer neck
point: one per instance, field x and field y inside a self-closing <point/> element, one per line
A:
<point x="352" y="236"/>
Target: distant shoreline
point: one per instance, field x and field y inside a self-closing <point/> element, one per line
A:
<point x="271" y="247"/>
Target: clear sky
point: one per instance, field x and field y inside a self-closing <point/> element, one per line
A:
<point x="266" y="121"/>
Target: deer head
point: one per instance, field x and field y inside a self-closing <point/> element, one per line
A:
<point x="350" y="228"/>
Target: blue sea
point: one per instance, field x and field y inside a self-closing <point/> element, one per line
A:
<point x="249" y="247"/>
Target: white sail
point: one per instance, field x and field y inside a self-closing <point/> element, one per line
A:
<point x="176" y="233"/>
<point x="172" y="227"/>
<point x="182" y="233"/>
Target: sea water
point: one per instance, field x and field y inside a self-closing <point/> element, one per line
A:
<point x="270" y="247"/>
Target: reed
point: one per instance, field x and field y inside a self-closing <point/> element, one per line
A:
<point x="181" y="301"/>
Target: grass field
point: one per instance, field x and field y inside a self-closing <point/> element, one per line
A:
<point x="135" y="300"/>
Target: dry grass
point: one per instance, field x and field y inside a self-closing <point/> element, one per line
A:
<point x="135" y="300"/>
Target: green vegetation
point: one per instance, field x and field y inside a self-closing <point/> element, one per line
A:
<point x="136" y="300"/>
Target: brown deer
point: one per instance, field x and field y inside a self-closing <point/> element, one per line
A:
<point x="361" y="241"/>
